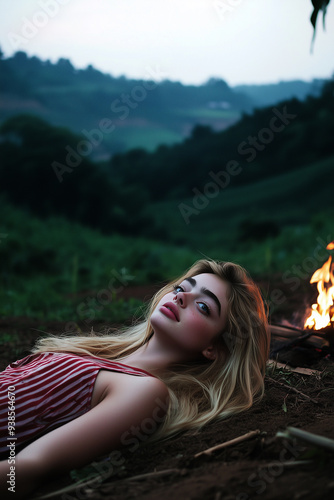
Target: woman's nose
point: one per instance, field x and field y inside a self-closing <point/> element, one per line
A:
<point x="180" y="298"/>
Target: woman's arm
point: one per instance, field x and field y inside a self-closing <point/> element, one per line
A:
<point x="120" y="414"/>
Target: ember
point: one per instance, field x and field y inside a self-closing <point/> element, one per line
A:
<point x="322" y="314"/>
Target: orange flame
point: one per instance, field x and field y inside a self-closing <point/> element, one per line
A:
<point x="322" y="313"/>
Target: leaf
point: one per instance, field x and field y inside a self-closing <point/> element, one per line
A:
<point x="317" y="6"/>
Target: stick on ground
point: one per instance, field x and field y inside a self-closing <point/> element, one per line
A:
<point x="236" y="440"/>
<point x="292" y="389"/>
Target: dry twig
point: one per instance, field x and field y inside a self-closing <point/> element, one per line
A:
<point x="157" y="473"/>
<point x="237" y="440"/>
<point x="292" y="389"/>
<point x="286" y="464"/>
<point x="299" y="369"/>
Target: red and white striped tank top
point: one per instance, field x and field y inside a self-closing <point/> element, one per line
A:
<point x="43" y="391"/>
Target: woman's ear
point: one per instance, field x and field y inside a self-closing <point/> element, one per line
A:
<point x="210" y="353"/>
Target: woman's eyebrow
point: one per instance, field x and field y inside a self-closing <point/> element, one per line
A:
<point x="206" y="292"/>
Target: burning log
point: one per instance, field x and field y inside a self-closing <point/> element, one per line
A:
<point x="292" y="337"/>
<point x="301" y="347"/>
<point x="318" y="331"/>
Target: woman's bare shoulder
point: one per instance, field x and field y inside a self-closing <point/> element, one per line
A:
<point x="108" y="383"/>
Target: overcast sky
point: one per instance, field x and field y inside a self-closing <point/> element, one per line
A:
<point x="241" y="41"/>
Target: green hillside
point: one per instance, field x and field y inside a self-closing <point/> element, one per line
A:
<point x="242" y="174"/>
<point x="238" y="216"/>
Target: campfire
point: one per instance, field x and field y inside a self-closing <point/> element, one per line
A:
<point x="315" y="340"/>
<point x="322" y="314"/>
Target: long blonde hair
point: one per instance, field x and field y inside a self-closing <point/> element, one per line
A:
<point x="204" y="391"/>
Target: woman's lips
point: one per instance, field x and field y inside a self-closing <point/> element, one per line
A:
<point x="170" y="310"/>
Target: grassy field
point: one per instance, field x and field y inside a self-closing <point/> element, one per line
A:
<point x="46" y="265"/>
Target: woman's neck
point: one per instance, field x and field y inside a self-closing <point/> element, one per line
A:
<point x="154" y="357"/>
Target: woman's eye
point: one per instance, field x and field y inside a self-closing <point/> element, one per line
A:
<point x="178" y="288"/>
<point x="203" y="307"/>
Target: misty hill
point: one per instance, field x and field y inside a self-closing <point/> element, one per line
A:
<point x="269" y="170"/>
<point x="132" y="113"/>
<point x="264" y="143"/>
<point x="143" y="113"/>
<point x="268" y="94"/>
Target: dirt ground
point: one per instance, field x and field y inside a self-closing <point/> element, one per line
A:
<point x="264" y="468"/>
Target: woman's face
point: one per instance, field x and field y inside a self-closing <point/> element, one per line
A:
<point x="191" y="316"/>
